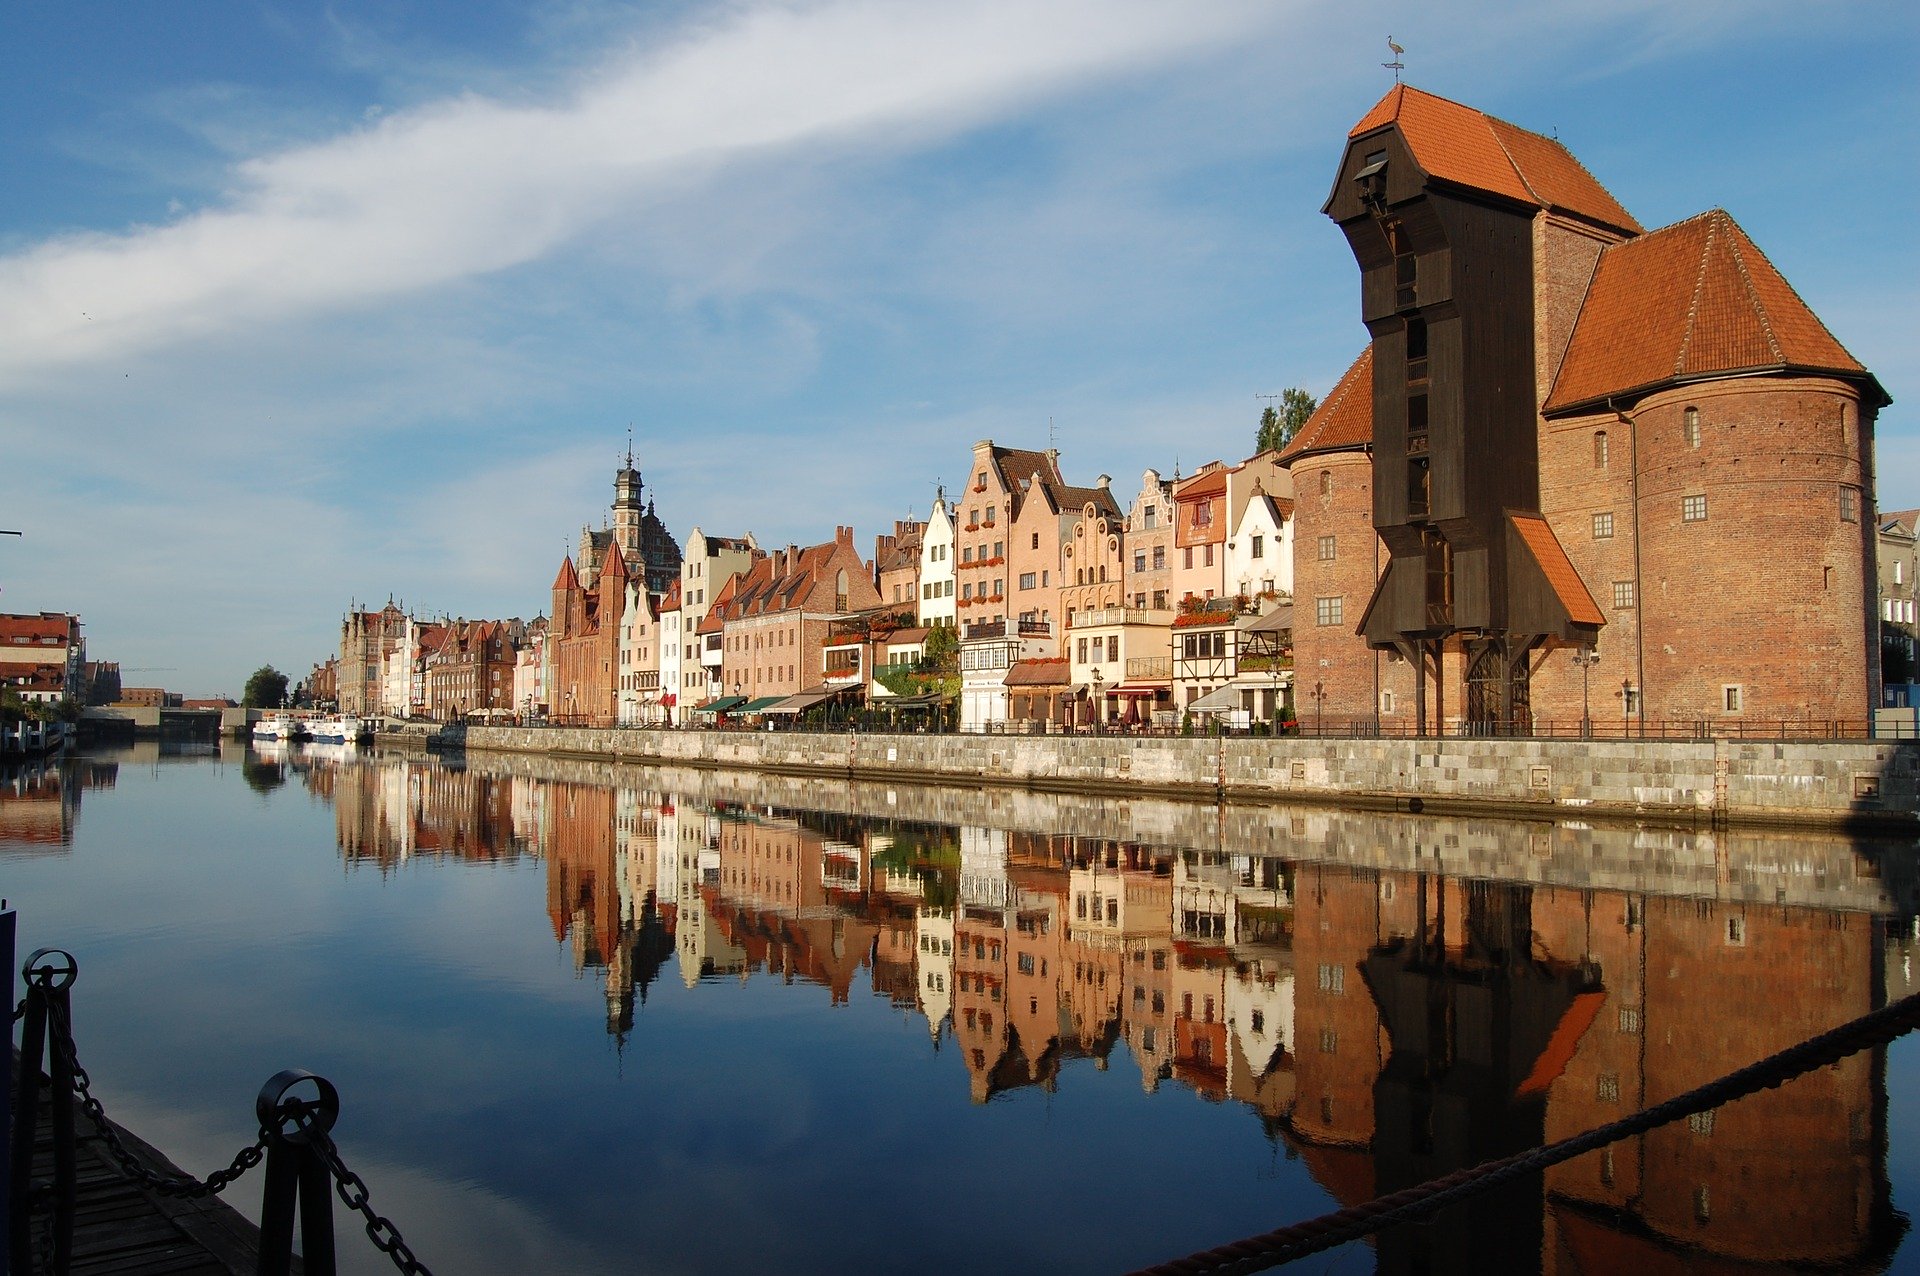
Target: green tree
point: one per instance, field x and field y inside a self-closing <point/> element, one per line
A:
<point x="1278" y="426"/>
<point x="942" y="650"/>
<point x="266" y="689"/>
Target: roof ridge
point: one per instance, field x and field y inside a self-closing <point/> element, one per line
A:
<point x="1753" y="294"/>
<point x="1693" y="303"/>
<point x="1513" y="163"/>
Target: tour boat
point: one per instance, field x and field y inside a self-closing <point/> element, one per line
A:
<point x="337" y="729"/>
<point x="275" y="726"/>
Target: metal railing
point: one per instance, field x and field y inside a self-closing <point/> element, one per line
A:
<point x="296" y="1111"/>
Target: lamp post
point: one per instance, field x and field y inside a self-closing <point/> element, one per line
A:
<point x="1626" y="706"/>
<point x="1099" y="701"/>
<point x="1587" y="657"/>
<point x="1319" y="705"/>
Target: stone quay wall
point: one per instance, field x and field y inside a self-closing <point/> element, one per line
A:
<point x="1864" y="785"/>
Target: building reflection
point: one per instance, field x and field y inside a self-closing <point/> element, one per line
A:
<point x="1387" y="1025"/>
<point x="40" y="801"/>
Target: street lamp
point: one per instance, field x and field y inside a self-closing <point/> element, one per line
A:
<point x="1099" y="701"/>
<point x="1586" y="658"/>
<point x="1319" y="705"/>
<point x="1626" y="706"/>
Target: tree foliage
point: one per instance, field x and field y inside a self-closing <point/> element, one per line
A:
<point x="266" y="689"/>
<point x="1278" y="426"/>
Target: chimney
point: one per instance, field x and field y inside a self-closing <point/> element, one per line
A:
<point x="1104" y="482"/>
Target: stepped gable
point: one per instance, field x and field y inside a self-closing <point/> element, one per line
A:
<point x="1344" y="418"/>
<point x="1691" y="300"/>
<point x="1469" y="148"/>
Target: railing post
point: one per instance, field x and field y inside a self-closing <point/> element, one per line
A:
<point x="295" y="1171"/>
<point x="7" y="921"/>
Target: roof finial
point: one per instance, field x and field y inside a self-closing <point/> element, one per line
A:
<point x="1396" y="66"/>
<point x="629" y="445"/>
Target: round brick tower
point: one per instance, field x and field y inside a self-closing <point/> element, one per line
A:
<point x="1337" y="679"/>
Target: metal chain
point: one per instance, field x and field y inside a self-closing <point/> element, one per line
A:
<point x="184" y="1185"/>
<point x="1257" y="1253"/>
<point x="352" y="1190"/>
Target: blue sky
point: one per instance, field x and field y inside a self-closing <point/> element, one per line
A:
<point x="301" y="304"/>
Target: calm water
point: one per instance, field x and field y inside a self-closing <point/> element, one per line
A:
<point x="588" y="1019"/>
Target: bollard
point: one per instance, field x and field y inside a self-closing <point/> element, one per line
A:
<point x="45" y="1035"/>
<point x="294" y="1128"/>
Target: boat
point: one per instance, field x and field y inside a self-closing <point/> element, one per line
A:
<point x="344" y="728"/>
<point x="275" y="726"/>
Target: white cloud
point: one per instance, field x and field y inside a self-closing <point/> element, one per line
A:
<point x="472" y="184"/>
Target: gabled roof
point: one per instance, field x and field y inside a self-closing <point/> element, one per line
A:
<point x="614" y="565"/>
<point x="568" y="578"/>
<point x="1344" y="419"/>
<point x="671" y="600"/>
<point x="1692" y="300"/>
<point x="1470" y="148"/>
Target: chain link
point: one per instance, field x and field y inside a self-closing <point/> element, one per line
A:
<point x="352" y="1190"/>
<point x="184" y="1185"/>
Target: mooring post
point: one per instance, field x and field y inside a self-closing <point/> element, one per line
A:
<point x="44" y="1029"/>
<point x="7" y="920"/>
<point x="294" y="1127"/>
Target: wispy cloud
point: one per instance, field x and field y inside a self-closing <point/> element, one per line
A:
<point x="473" y="184"/>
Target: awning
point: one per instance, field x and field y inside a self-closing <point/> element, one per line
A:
<point x="1129" y="689"/>
<point x="724" y="704"/>
<point x="804" y="700"/>
<point x="758" y="706"/>
<point x="1225" y="700"/>
<point x="926" y="701"/>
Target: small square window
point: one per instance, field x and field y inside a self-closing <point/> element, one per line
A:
<point x="1623" y="593"/>
<point x="1327" y="549"/>
<point x="1327" y="611"/>
<point x="1603" y="526"/>
<point x="1693" y="509"/>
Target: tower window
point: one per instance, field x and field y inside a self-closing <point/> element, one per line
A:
<point x="1623" y="593"/>
<point x="1693" y="509"/>
<point x="1326" y="484"/>
<point x="1603" y="526"/>
<point x="1327" y="544"/>
<point x="1849" y="509"/>
<point x="1690" y="426"/>
<point x="1416" y="351"/>
<point x="1599" y="449"/>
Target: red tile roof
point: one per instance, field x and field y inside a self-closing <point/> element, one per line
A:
<point x="1559" y="570"/>
<point x="568" y="578"/>
<point x="1344" y="419"/>
<point x="1694" y="299"/>
<point x="1469" y="148"/>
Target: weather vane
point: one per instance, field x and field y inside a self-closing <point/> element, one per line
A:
<point x="1396" y="66"/>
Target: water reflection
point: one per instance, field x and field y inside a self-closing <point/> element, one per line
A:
<point x="1391" y="999"/>
<point x="40" y="802"/>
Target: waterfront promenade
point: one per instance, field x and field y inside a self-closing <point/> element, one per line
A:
<point x="1863" y="785"/>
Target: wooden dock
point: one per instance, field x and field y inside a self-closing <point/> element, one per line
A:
<point x="122" y="1227"/>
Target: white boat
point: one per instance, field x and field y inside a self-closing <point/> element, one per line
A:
<point x="336" y="729"/>
<point x="275" y="726"/>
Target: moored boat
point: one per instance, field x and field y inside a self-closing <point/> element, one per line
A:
<point x="275" y="726"/>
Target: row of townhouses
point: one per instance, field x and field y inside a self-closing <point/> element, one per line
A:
<point x="1581" y="470"/>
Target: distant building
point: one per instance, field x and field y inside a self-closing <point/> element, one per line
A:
<point x="41" y="655"/>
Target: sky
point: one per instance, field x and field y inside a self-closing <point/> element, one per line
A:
<point x="304" y="305"/>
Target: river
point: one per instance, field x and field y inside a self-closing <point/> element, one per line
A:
<point x="594" y="1019"/>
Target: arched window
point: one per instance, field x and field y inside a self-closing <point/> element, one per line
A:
<point x="1599" y="449"/>
<point x="1326" y="484"/>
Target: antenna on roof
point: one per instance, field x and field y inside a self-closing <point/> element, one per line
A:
<point x="1396" y="66"/>
<point x="1052" y="441"/>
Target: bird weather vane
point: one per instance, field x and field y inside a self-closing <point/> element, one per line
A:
<point x="1396" y="66"/>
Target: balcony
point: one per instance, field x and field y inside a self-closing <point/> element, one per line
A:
<point x="1113" y="616"/>
<point x="978" y="629"/>
<point x="1036" y="628"/>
